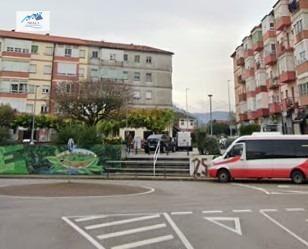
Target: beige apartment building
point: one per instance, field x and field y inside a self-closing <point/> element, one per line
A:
<point x="271" y="69"/>
<point x="31" y="65"/>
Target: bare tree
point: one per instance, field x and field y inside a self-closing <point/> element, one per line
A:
<point x="91" y="101"/>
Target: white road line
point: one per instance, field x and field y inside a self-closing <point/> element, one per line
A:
<point x="252" y="187"/>
<point x="88" y="218"/>
<point x="212" y="212"/>
<point x="120" y="222"/>
<point x="131" y="231"/>
<point x="144" y="242"/>
<point x="295" y="209"/>
<point x="178" y="232"/>
<point x="181" y="213"/>
<point x="217" y="220"/>
<point x="242" y="211"/>
<point x="307" y="220"/>
<point x="283" y="186"/>
<point x="83" y="233"/>
<point x="284" y="228"/>
<point x="297" y="192"/>
<point x="268" y="210"/>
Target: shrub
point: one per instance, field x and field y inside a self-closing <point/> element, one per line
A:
<point x="113" y="140"/>
<point x="206" y="144"/>
<point x="249" y="129"/>
<point x="4" y="135"/>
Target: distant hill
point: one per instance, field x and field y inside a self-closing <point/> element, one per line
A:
<point x="204" y="118"/>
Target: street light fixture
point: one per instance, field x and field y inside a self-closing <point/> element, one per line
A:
<point x="187" y="107"/>
<point x="229" y="103"/>
<point x="211" y="117"/>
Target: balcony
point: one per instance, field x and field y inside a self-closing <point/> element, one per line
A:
<point x="269" y="34"/>
<point x="287" y="77"/>
<point x="243" y="117"/>
<point x="302" y="68"/>
<point x="261" y="89"/>
<point x="240" y="61"/>
<point x="248" y="53"/>
<point x="251" y="115"/>
<point x="270" y="59"/>
<point x="272" y="84"/>
<point x="18" y="95"/>
<point x="282" y="22"/>
<point x="242" y="97"/>
<point x="112" y="63"/>
<point x="275" y="108"/>
<point x="282" y="49"/>
<point x="258" y="46"/>
<point x="16" y="54"/>
<point x="288" y="104"/>
<point x="240" y="79"/>
<point x="301" y="36"/>
<point x="248" y="73"/>
<point x="263" y="112"/>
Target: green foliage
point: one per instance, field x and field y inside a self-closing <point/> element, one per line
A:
<point x="206" y="145"/>
<point x="4" y="135"/>
<point x="83" y="136"/>
<point x="7" y="115"/>
<point x="113" y="140"/>
<point x="220" y="128"/>
<point x="41" y="121"/>
<point x="249" y="129"/>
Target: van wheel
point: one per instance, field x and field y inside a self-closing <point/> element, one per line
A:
<point x="223" y="176"/>
<point x="297" y="177"/>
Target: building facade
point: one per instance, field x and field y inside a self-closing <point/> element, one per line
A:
<point x="31" y="66"/>
<point x="271" y="69"/>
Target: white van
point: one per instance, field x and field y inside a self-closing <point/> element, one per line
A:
<point x="261" y="156"/>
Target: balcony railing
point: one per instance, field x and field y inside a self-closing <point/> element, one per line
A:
<point x="282" y="49"/>
<point x="272" y="83"/>
<point x="262" y="112"/>
<point x="112" y="63"/>
<point x="243" y="117"/>
<point x="248" y="73"/>
<point x="270" y="59"/>
<point x="288" y="104"/>
<point x="258" y="46"/>
<point x="275" y="108"/>
<point x="248" y="53"/>
<point x="282" y="22"/>
<point x="287" y="77"/>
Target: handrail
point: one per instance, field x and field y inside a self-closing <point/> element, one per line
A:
<point x="155" y="157"/>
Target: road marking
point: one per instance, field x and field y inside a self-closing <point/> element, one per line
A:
<point x="283" y="186"/>
<point x="181" y="213"/>
<point x="252" y="187"/>
<point x="178" y="232"/>
<point x="217" y="220"/>
<point x="131" y="231"/>
<point x="83" y="233"/>
<point x="307" y="220"/>
<point x="120" y="222"/>
<point x="144" y="242"/>
<point x="284" y="228"/>
<point x="91" y="218"/>
<point x="295" y="209"/>
<point x="269" y="210"/>
<point x="242" y="211"/>
<point x="297" y="192"/>
<point x="212" y="212"/>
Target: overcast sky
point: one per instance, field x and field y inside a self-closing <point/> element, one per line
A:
<point x="202" y="34"/>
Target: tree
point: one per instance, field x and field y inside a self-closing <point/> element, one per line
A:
<point x="249" y="129"/>
<point x="7" y="115"/>
<point x="91" y="101"/>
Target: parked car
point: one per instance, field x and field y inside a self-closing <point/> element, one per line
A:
<point x="166" y="143"/>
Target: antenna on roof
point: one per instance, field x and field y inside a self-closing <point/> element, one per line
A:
<point x="13" y="30"/>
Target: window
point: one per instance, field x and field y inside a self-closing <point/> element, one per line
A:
<point x="47" y="69"/>
<point x="137" y="58"/>
<point x="44" y="108"/>
<point x="14" y="88"/>
<point x="136" y="95"/>
<point x="81" y="72"/>
<point x="148" y="95"/>
<point x="18" y="50"/>
<point x="34" y="49"/>
<point x="45" y="90"/>
<point x="67" y="69"/>
<point x="23" y="88"/>
<point x="113" y="57"/>
<point x="125" y="57"/>
<point x="237" y="150"/>
<point x="192" y="123"/>
<point x="94" y="54"/>
<point x="149" y="59"/>
<point x="136" y="76"/>
<point x="148" y="77"/>
<point x="32" y="68"/>
<point x="68" y="52"/>
<point x="10" y="49"/>
<point x="298" y="27"/>
<point x="31" y="89"/>
<point x="0" y="46"/>
<point x="303" y="89"/>
<point x="48" y="51"/>
<point x="182" y="122"/>
<point x="302" y="57"/>
<point x="82" y="53"/>
<point x="29" y="108"/>
<point x="125" y="75"/>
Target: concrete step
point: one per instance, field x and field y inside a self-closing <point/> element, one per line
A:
<point x="148" y="162"/>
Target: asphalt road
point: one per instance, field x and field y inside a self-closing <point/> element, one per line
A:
<point x="179" y="215"/>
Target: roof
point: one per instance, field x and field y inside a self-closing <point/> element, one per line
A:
<point x="274" y="137"/>
<point x="80" y="42"/>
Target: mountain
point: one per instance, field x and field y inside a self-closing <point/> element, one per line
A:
<point x="204" y="118"/>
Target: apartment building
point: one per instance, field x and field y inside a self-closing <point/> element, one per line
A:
<point x="271" y="69"/>
<point x="31" y="65"/>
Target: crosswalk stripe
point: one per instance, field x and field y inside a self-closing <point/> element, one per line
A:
<point x="144" y="242"/>
<point x="90" y="218"/>
<point x="131" y="231"/>
<point x="121" y="222"/>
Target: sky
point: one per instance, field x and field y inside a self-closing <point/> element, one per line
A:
<point x="202" y="34"/>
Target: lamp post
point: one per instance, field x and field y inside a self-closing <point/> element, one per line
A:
<point x="33" y="116"/>
<point x="187" y="107"/>
<point x="211" y="117"/>
<point x="229" y="103"/>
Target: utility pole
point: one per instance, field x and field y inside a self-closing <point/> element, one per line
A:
<point x="187" y="108"/>
<point x="33" y="117"/>
<point x="211" y="116"/>
<point x="229" y="103"/>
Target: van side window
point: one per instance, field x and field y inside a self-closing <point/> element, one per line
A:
<point x="237" y="150"/>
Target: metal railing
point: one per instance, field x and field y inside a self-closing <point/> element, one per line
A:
<point x="155" y="157"/>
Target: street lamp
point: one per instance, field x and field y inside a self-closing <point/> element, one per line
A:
<point x="187" y="108"/>
<point x="211" y="117"/>
<point x="229" y="103"/>
<point x="33" y="117"/>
